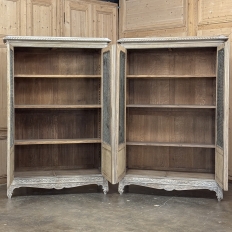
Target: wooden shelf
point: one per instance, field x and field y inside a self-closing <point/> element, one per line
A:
<point x="172" y="106"/>
<point x="56" y="141"/>
<point x="171" y="144"/>
<point x="57" y="106"/>
<point x="169" y="174"/>
<point x="55" y="76"/>
<point x="54" y="173"/>
<point x="172" y="76"/>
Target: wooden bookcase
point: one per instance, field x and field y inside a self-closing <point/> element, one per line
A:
<point x="55" y="109"/>
<point x="176" y="93"/>
<point x="150" y="112"/>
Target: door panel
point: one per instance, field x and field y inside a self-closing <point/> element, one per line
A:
<point x="105" y="22"/>
<point x="11" y="116"/>
<point x="10" y="17"/>
<point x="107" y="113"/>
<point x="222" y="115"/>
<point x="153" y="18"/>
<point x="78" y="19"/>
<point x="120" y="160"/>
<point x="42" y="18"/>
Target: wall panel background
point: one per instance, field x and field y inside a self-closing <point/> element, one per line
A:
<point x="153" y="17"/>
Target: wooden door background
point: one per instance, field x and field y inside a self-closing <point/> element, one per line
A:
<point x="85" y="18"/>
<point x="179" y="18"/>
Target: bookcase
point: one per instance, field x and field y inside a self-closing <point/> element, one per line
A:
<point x="55" y="108"/>
<point x="174" y="98"/>
<point x="150" y="112"/>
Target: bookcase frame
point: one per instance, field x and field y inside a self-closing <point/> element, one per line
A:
<point x="163" y="115"/>
<point x="150" y="104"/>
<point x="43" y="149"/>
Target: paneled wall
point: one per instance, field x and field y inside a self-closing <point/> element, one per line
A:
<point x="179" y="18"/>
<point x="149" y="17"/>
<point x="78" y="15"/>
<point x="42" y="17"/>
<point x="90" y="18"/>
<point x="75" y="19"/>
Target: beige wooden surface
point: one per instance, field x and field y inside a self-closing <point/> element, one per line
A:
<point x="105" y="23"/>
<point x="48" y="18"/>
<point x="107" y="146"/>
<point x="76" y="17"/>
<point x="98" y="19"/>
<point x="42" y="18"/>
<point x="120" y="91"/>
<point x="149" y="18"/>
<point x="153" y="17"/>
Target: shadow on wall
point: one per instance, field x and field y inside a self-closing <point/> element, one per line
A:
<point x="114" y="1"/>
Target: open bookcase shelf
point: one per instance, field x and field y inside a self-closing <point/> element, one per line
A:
<point x="56" y="113"/>
<point x="56" y="106"/>
<point x="171" y="106"/>
<point x="56" y="141"/>
<point x="173" y="76"/>
<point x="170" y="144"/>
<point x="55" y="76"/>
<point x="149" y="111"/>
<point x="174" y="118"/>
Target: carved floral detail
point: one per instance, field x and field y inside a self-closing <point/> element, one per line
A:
<point x="171" y="184"/>
<point x="57" y="183"/>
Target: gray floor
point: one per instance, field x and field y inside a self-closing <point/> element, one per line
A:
<point x="140" y="209"/>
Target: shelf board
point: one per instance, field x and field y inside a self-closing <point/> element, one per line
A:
<point x="55" y="76"/>
<point x="172" y="106"/>
<point x="170" y="144"/>
<point x="56" y="141"/>
<point x="169" y="174"/>
<point x="54" y="173"/>
<point x="172" y="76"/>
<point x="56" y="106"/>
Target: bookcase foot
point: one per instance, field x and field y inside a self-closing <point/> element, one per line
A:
<point x="121" y="187"/>
<point x="219" y="193"/>
<point x="10" y="192"/>
<point x="105" y="186"/>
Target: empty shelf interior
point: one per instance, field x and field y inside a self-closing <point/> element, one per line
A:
<point x="55" y="173"/>
<point x="168" y="174"/>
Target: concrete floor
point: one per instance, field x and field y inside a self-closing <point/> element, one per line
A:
<point x="141" y="209"/>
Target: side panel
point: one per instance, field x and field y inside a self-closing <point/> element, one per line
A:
<point x="121" y="164"/>
<point x="10" y="116"/>
<point x="3" y="110"/>
<point x="222" y="114"/>
<point x="106" y="166"/>
<point x="120" y="159"/>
